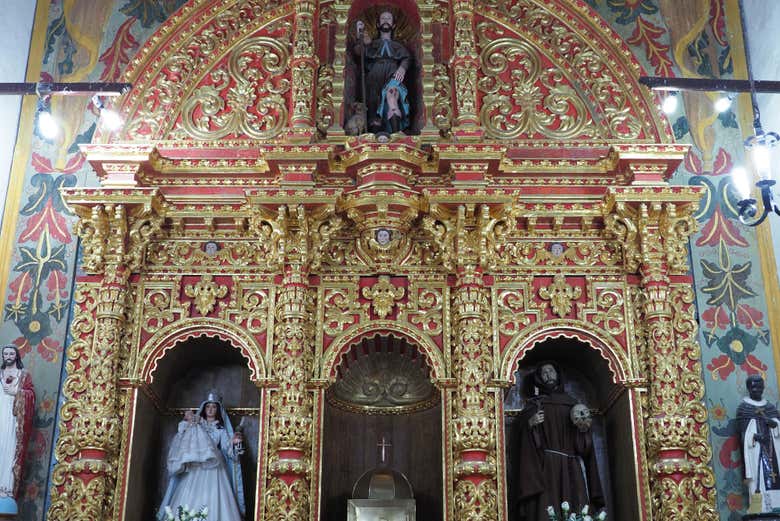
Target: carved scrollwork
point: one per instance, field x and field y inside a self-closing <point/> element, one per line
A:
<point x="325" y="108"/>
<point x="158" y="310"/>
<point x="511" y="312"/>
<point x="342" y="309"/>
<point x="442" y="101"/>
<point x="523" y="97"/>
<point x="251" y="307"/>
<point x="425" y="309"/>
<point x="610" y="316"/>
<point x="244" y="99"/>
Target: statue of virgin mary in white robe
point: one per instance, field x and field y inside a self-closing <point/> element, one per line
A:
<point x="204" y="467"/>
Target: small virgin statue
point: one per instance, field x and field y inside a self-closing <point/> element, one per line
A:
<point x="204" y="464"/>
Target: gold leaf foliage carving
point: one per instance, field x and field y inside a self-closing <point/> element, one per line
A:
<point x="610" y="312"/>
<point x="511" y="312"/>
<point x="426" y="309"/>
<point x="560" y="295"/>
<point x="244" y="99"/>
<point x="205" y="293"/>
<point x="383" y="295"/>
<point x="523" y="97"/>
<point x="157" y="311"/>
<point x="251" y="308"/>
<point x="341" y="310"/>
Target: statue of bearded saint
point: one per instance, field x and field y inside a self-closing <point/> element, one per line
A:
<point x="385" y="63"/>
<point x="556" y="450"/>
<point x="17" y="402"/>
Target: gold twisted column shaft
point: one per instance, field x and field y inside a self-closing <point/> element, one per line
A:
<point x="85" y="473"/>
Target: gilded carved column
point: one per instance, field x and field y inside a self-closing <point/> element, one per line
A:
<point x="467" y="242"/>
<point x="297" y="239"/>
<point x="114" y="237"/>
<point x="464" y="66"/>
<point x="473" y="413"/>
<point x="654" y="225"/>
<point x="287" y="493"/>
<point x="303" y="64"/>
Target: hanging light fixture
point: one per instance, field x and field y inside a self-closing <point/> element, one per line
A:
<point x="759" y="147"/>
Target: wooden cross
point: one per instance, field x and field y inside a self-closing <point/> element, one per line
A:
<point x="383" y="445"/>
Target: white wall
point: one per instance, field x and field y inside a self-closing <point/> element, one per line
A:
<point x="763" y="22"/>
<point x="15" y="31"/>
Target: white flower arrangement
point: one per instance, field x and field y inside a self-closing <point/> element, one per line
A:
<point x="568" y="515"/>
<point x="183" y="513"/>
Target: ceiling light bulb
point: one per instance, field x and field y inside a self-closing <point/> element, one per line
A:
<point x="670" y="103"/>
<point x="723" y="103"/>
<point x="741" y="182"/>
<point x="762" y="160"/>
<point x="110" y="119"/>
<point x="47" y="125"/>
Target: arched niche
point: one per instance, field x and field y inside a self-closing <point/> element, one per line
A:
<point x="590" y="378"/>
<point x="407" y="18"/>
<point x="352" y="429"/>
<point x="181" y="377"/>
<point x="432" y="352"/>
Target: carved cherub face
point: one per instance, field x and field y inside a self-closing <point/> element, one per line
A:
<point x="581" y="417"/>
<point x="383" y="236"/>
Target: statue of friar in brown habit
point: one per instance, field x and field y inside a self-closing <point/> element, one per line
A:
<point x="556" y="448"/>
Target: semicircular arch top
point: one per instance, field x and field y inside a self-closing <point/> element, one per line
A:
<point x="549" y="71"/>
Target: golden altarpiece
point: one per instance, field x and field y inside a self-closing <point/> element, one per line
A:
<point x="529" y="202"/>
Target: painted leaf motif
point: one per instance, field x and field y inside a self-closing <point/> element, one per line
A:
<point x="693" y="163"/>
<point x="648" y="35"/>
<point x="48" y="190"/>
<point x="629" y="10"/>
<point x="720" y="230"/>
<point x="753" y="365"/>
<point x="723" y="163"/>
<point x="117" y="56"/>
<point x="715" y="317"/>
<point x="730" y="456"/>
<point x="749" y="317"/>
<point x="41" y="164"/>
<point x="47" y="220"/>
<point x="721" y="367"/>
<point x="49" y="349"/>
<point x="20" y="288"/>
<point x="150" y="12"/>
<point x="727" y="283"/>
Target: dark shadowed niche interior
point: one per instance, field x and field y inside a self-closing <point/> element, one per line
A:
<point x="383" y="392"/>
<point x="586" y="378"/>
<point x="182" y="380"/>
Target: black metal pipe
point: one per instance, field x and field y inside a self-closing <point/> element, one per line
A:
<point x="64" y="89"/>
<point x="709" y="85"/>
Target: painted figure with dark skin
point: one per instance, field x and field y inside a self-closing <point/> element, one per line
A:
<point x="759" y="427"/>
<point x="386" y="63"/>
